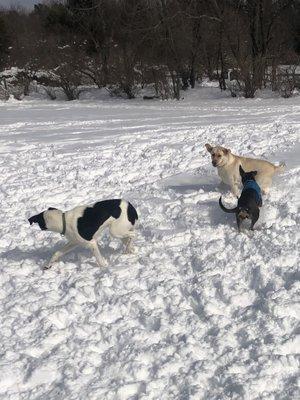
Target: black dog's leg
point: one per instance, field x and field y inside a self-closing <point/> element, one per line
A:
<point x="254" y="219"/>
<point x="260" y="203"/>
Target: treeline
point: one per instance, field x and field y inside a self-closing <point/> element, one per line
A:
<point x="126" y="44"/>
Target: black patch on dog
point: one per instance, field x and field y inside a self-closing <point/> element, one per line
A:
<point x="94" y="217"/>
<point x="39" y="219"/>
<point x="131" y="214"/>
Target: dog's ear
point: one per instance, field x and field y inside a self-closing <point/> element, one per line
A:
<point x="208" y="147"/>
<point x="226" y="151"/>
<point x="52" y="208"/>
<point x="242" y="172"/>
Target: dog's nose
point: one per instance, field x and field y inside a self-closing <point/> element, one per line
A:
<point x="214" y="163"/>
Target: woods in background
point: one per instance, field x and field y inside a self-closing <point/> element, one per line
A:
<point x="124" y="45"/>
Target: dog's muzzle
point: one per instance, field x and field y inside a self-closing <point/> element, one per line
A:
<point x="214" y="163"/>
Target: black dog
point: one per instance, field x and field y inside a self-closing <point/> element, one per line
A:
<point x="249" y="201"/>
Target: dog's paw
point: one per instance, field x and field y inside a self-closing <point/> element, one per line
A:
<point x="103" y="263"/>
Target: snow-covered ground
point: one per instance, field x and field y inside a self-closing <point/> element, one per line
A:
<point x="199" y="311"/>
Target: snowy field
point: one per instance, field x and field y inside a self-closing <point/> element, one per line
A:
<point x="199" y="311"/>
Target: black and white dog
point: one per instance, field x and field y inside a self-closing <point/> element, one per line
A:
<point x="249" y="201"/>
<point x="84" y="224"/>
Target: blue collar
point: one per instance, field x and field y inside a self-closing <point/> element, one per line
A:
<point x="252" y="184"/>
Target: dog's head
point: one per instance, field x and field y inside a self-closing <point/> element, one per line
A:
<point x="40" y="219"/>
<point x="247" y="176"/>
<point x="219" y="155"/>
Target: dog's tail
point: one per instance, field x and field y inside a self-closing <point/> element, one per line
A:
<point x="280" y="168"/>
<point x="233" y="210"/>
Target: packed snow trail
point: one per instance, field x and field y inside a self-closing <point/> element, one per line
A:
<point x="199" y="311"/>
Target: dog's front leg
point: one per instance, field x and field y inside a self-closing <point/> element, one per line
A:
<point x="128" y="245"/>
<point x="95" y="249"/>
<point x="58" y="254"/>
<point x="234" y="187"/>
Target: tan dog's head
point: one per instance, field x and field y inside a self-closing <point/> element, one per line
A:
<point x="219" y="155"/>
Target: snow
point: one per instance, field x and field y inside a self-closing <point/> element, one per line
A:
<point x="199" y="311"/>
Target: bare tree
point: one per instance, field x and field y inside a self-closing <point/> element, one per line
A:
<point x="250" y="28"/>
<point x="126" y="44"/>
<point x="4" y="41"/>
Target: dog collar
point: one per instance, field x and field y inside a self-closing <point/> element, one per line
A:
<point x="63" y="223"/>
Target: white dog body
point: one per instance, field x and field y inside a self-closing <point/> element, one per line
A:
<point x="84" y="224"/>
<point x="228" y="164"/>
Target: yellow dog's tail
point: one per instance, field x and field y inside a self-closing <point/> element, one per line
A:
<point x="280" y="168"/>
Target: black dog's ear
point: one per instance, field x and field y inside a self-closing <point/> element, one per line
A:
<point x="52" y="208"/>
<point x="242" y="172"/>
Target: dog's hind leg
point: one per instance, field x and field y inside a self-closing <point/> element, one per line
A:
<point x="265" y="183"/>
<point x="123" y="230"/>
<point x="128" y="242"/>
<point x="58" y="254"/>
<point x="254" y="219"/>
<point x="95" y="249"/>
<point x="238" y="222"/>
